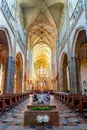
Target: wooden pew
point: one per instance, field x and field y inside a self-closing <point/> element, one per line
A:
<point x="68" y="100"/>
<point x="75" y="102"/>
<point x="2" y="104"/>
<point x="65" y="99"/>
<point x="83" y="105"/>
<point x="56" y="95"/>
<point x="14" y="101"/>
<point x="7" y="101"/>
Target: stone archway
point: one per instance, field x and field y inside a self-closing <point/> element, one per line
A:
<point x="18" y="73"/>
<point x="78" y="62"/>
<point x="82" y="55"/>
<point x="2" y="75"/>
<point x="65" y="73"/>
<point x="5" y="62"/>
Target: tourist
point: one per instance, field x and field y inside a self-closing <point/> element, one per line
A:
<point x="35" y="98"/>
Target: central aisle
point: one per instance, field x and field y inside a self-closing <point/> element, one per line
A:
<point x="13" y="120"/>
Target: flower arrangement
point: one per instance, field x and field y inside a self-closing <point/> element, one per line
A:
<point x="41" y="108"/>
<point x="43" y="119"/>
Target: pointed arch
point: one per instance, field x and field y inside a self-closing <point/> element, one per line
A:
<point x="18" y="73"/>
<point x="65" y="72"/>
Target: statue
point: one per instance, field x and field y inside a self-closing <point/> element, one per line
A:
<point x="41" y="98"/>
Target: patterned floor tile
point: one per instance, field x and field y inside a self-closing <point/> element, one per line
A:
<point x="68" y="120"/>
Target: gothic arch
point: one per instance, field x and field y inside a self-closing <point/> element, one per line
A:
<point x="65" y="73"/>
<point x="18" y="73"/>
<point x="5" y="52"/>
<point x="76" y="36"/>
<point x="80" y="52"/>
<point x="6" y="39"/>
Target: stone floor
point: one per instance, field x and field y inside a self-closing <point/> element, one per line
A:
<point x="13" y="120"/>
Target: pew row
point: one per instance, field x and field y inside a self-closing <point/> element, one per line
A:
<point x="8" y="101"/>
<point x="76" y="102"/>
<point x="83" y="106"/>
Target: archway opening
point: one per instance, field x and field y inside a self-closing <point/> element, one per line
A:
<point x="3" y="58"/>
<point x="65" y="72"/>
<point x="83" y="68"/>
<point x="80" y="51"/>
<point x="18" y="74"/>
<point x="41" y="61"/>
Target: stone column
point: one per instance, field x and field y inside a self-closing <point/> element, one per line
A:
<point x="61" y="79"/>
<point x="65" y="87"/>
<point x="74" y="75"/>
<point x="9" y="75"/>
<point x="53" y="66"/>
<point x="57" y="61"/>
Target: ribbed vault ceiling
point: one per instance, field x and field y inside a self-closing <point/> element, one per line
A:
<point x="41" y="19"/>
<point x="41" y="55"/>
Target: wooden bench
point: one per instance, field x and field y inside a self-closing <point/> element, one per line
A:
<point x="83" y="105"/>
<point x="7" y="101"/>
<point x="2" y="104"/>
<point x="75" y="100"/>
<point x="63" y="97"/>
